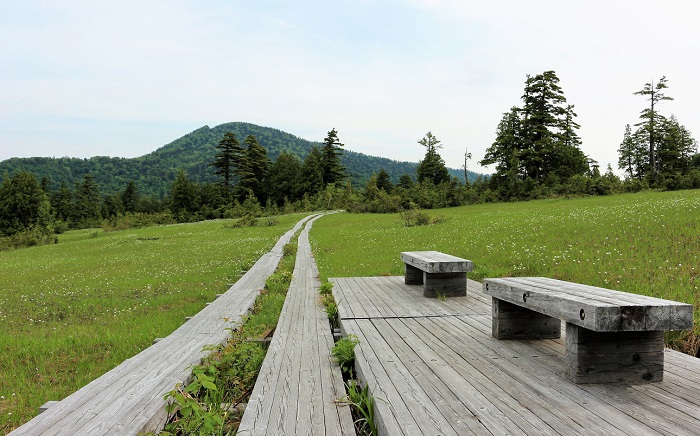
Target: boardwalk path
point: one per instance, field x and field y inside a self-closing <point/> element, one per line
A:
<point x="435" y="369"/>
<point x="129" y="398"/>
<point x="298" y="385"/>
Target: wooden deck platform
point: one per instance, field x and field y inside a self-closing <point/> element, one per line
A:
<point x="128" y="399"/>
<point x="434" y="368"/>
<point x="298" y="386"/>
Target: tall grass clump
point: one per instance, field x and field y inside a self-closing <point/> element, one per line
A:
<point x="645" y="243"/>
<point x="71" y="311"/>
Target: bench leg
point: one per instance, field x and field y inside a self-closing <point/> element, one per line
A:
<point x="614" y="357"/>
<point x="448" y="284"/>
<point x="414" y="276"/>
<point x="510" y="321"/>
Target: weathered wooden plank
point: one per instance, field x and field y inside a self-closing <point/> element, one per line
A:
<point x="510" y="321"/>
<point x="436" y="262"/>
<point x="391" y="412"/>
<point x="298" y="386"/>
<point x="605" y="357"/>
<point x="531" y="365"/>
<point x="448" y="284"/>
<point x="636" y="312"/>
<point x="128" y="399"/>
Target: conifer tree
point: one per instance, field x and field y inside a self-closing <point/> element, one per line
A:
<point x="227" y="159"/>
<point x="650" y="117"/>
<point x="333" y="170"/>
<point x="432" y="167"/>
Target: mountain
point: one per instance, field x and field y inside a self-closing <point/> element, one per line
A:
<point x="155" y="172"/>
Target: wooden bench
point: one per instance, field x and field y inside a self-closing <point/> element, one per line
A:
<point x="439" y="273"/>
<point x="611" y="336"/>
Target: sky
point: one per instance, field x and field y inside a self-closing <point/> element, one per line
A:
<point x="83" y="78"/>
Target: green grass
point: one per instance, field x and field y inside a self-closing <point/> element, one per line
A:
<point x="72" y="311"/>
<point x="646" y="243"/>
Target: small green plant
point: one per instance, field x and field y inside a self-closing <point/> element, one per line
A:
<point x="326" y="288"/>
<point x="289" y="249"/>
<point x="362" y="404"/>
<point x="196" y="410"/>
<point x="344" y="354"/>
<point x="440" y="296"/>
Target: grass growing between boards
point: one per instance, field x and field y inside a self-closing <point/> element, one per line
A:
<point x="645" y="243"/>
<point x="225" y="379"/>
<point x="70" y="312"/>
<point x="360" y="401"/>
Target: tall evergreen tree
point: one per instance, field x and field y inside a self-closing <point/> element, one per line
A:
<point x="333" y="170"/>
<point x="88" y="202"/>
<point x="227" y="159"/>
<point x="311" y="181"/>
<point x="632" y="154"/>
<point x="283" y="178"/>
<point x="62" y="202"/>
<point x="130" y="197"/>
<point x="253" y="169"/>
<point x="550" y="143"/>
<point x="650" y="117"/>
<point x="432" y="167"/>
<point x="182" y="194"/>
<point x="383" y="182"/>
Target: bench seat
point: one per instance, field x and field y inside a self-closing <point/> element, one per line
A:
<point x="611" y="336"/>
<point x="439" y="273"/>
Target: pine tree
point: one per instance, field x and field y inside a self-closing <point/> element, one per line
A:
<point x="333" y="170"/>
<point x="227" y="159"/>
<point x="182" y="195"/>
<point x="130" y="197"/>
<point x="253" y="169"/>
<point x="632" y="153"/>
<point x="383" y="182"/>
<point x="311" y="181"/>
<point x="88" y="202"/>
<point x="651" y="118"/>
<point x="432" y="167"/>
<point x="283" y="178"/>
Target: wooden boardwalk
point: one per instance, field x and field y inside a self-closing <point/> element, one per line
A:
<point x="129" y="399"/>
<point x="298" y="387"/>
<point x="434" y="368"/>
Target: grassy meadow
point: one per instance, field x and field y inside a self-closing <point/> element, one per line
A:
<point x="646" y="243"/>
<point x="70" y="312"/>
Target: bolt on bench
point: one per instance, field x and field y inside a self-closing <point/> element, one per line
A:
<point x="611" y="336"/>
<point x="437" y="272"/>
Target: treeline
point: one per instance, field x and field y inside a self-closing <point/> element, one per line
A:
<point x="155" y="172"/>
<point x="537" y="149"/>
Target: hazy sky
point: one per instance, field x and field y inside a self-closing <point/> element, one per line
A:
<point x="84" y="78"/>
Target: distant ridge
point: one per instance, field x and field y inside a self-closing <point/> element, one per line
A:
<point x="155" y="172"/>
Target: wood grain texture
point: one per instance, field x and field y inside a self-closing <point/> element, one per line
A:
<point x="129" y="399"/>
<point x="299" y="385"/>
<point x="432" y="365"/>
<point x="436" y="262"/>
<point x="590" y="307"/>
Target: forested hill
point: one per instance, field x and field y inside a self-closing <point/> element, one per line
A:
<point x="155" y="172"/>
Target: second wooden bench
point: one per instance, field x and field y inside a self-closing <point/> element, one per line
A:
<point x="439" y="273"/>
<point x="611" y="336"/>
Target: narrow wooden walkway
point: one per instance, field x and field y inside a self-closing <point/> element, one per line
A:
<point x="129" y="399"/>
<point x="299" y="384"/>
<point x="434" y="368"/>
